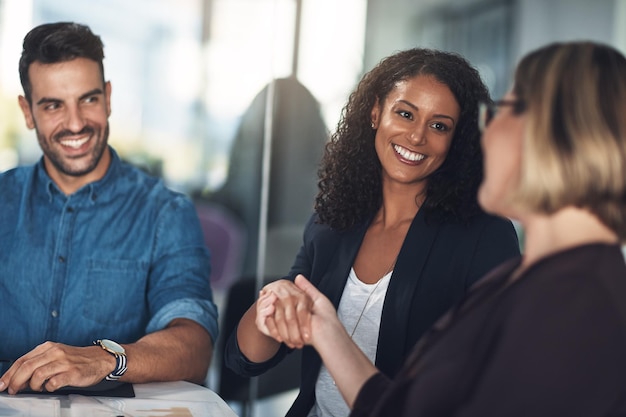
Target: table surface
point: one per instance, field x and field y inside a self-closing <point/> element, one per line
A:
<point x="158" y="399"/>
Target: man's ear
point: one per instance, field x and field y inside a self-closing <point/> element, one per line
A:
<point x="107" y="96"/>
<point x="28" y="113"/>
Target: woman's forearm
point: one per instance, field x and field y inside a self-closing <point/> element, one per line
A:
<point x="346" y="363"/>
<point x="256" y="346"/>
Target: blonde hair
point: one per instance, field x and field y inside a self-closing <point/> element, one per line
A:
<point x="575" y="142"/>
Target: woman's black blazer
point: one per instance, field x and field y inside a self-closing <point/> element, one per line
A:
<point x="437" y="263"/>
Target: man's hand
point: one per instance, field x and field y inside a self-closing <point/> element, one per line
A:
<point x="51" y="366"/>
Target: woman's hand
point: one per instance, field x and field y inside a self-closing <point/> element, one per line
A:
<point x="264" y="310"/>
<point x="282" y="311"/>
<point x="322" y="318"/>
<point x="297" y="314"/>
<point x="347" y="364"/>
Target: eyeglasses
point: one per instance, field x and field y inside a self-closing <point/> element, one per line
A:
<point x="486" y="111"/>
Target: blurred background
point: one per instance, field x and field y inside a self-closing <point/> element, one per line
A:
<point x="231" y="102"/>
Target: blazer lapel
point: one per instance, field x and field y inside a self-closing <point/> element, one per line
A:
<point x="333" y="282"/>
<point x="402" y="287"/>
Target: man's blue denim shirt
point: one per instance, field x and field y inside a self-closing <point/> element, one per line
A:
<point x="119" y="258"/>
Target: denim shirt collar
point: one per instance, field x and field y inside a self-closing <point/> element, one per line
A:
<point x="88" y="193"/>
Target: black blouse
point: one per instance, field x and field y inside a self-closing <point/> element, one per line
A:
<point x="552" y="343"/>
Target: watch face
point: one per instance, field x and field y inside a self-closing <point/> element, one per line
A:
<point x="112" y="346"/>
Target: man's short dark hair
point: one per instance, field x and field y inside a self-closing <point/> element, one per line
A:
<point x="58" y="42"/>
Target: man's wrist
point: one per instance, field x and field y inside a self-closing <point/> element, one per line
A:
<point x="119" y="353"/>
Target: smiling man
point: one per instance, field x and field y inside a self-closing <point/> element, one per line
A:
<point x="103" y="271"/>
<point x="68" y="106"/>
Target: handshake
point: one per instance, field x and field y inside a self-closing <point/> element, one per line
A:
<point x="296" y="314"/>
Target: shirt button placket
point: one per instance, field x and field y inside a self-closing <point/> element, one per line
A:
<point x="61" y="268"/>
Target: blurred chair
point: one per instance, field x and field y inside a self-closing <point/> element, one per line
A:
<point x="299" y="135"/>
<point x="234" y="388"/>
<point x="225" y="236"/>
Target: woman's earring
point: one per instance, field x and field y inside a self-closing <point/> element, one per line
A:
<point x="373" y="125"/>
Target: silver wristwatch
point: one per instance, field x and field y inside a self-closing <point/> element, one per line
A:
<point x="118" y="351"/>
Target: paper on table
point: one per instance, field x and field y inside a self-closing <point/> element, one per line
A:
<point x="164" y="408"/>
<point x="29" y="407"/>
<point x="81" y="406"/>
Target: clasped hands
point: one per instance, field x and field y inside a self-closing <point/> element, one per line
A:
<point x="51" y="366"/>
<point x="295" y="313"/>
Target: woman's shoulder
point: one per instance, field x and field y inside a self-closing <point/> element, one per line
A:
<point x="481" y="226"/>
<point x="479" y="220"/>
<point x="586" y="282"/>
<point x="485" y="220"/>
<point x="316" y="230"/>
<point x="594" y="267"/>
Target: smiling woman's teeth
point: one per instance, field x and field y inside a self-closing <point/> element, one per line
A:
<point x="74" y="143"/>
<point x="406" y="154"/>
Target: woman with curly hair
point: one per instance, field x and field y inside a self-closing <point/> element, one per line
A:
<point x="397" y="236"/>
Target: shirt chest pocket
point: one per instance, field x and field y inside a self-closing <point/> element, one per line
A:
<point x="115" y="291"/>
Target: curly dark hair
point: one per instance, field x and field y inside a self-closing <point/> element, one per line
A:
<point x="350" y="175"/>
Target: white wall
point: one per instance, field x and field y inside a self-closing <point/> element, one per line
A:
<point x="542" y="21"/>
<point x="393" y="24"/>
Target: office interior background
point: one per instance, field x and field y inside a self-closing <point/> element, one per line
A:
<point x="231" y="101"/>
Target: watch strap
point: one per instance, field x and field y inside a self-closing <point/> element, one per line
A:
<point x="120" y="363"/>
<point x="120" y="368"/>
